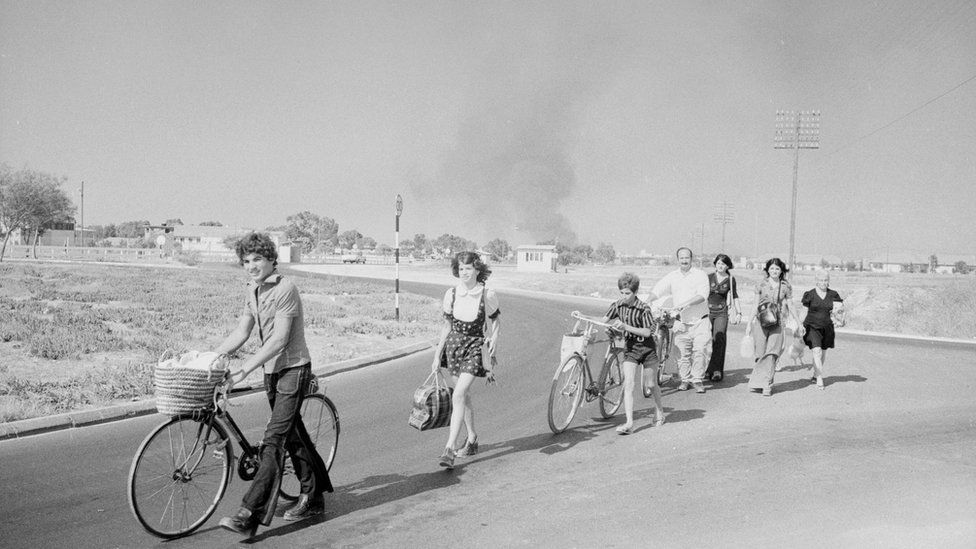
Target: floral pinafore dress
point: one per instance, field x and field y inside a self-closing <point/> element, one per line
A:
<point x="462" y="348"/>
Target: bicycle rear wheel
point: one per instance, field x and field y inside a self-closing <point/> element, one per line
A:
<point x="321" y="422"/>
<point x="178" y="475"/>
<point x="566" y="393"/>
<point x="612" y="386"/>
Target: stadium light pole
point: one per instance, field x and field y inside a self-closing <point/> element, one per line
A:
<point x="796" y="130"/>
<point x="396" y="256"/>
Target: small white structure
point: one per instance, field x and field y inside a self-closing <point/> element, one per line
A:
<point x="536" y="258"/>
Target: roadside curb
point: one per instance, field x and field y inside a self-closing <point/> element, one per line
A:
<point x="83" y="418"/>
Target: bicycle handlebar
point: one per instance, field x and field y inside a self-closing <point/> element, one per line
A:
<point x="580" y="316"/>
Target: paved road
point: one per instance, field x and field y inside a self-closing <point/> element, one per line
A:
<point x="884" y="457"/>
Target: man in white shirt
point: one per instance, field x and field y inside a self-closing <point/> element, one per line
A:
<point x="688" y="289"/>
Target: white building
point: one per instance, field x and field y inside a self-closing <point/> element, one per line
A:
<point x="536" y="258"/>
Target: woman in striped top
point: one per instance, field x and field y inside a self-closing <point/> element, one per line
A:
<point x="633" y="317"/>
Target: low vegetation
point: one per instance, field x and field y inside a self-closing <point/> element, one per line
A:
<point x="73" y="336"/>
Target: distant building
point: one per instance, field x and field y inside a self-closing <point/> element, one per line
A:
<point x="54" y="234"/>
<point x="209" y="239"/>
<point x="536" y="258"/>
<point x="899" y="262"/>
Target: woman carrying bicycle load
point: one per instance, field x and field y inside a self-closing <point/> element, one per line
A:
<point x="273" y="305"/>
<point x="470" y="318"/>
<point x="633" y="317"/>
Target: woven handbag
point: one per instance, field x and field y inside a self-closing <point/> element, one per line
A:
<point x="185" y="385"/>
<point x="431" y="403"/>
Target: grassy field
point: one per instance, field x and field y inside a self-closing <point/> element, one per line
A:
<point x="82" y="335"/>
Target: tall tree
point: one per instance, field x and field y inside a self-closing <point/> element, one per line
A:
<point x="499" y="249"/>
<point x="604" y="253"/>
<point x="312" y="230"/>
<point x="584" y="251"/>
<point x="28" y="199"/>
<point x="451" y="244"/>
<point x="350" y="238"/>
<point x="420" y="243"/>
<point x="132" y="229"/>
<point x="53" y="207"/>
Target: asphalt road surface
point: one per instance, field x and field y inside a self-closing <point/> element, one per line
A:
<point x="884" y="457"/>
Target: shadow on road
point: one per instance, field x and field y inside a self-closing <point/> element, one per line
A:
<point x="546" y="443"/>
<point x="369" y="492"/>
<point x="804" y="383"/>
<point x="730" y="379"/>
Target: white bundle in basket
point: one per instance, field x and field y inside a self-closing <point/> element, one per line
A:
<point x="574" y="342"/>
<point x="185" y="384"/>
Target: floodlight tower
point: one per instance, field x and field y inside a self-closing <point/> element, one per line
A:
<point x="796" y="130"/>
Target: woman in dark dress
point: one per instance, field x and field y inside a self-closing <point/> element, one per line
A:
<point x="823" y="307"/>
<point x="722" y="296"/>
<point x="470" y="322"/>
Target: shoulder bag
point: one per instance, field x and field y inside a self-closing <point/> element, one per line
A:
<point x="768" y="313"/>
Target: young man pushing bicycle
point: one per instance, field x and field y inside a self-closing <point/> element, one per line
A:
<point x="273" y="304"/>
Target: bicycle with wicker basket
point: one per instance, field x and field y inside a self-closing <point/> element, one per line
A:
<point x="573" y="381"/>
<point x="181" y="470"/>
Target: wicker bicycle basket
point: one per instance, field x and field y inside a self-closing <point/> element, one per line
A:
<point x="182" y="390"/>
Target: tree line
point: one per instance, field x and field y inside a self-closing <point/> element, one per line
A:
<point x="34" y="202"/>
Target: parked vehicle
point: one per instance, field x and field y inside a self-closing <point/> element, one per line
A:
<point x="353" y="258"/>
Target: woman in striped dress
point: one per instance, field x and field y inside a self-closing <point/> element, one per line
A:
<point x="633" y="317"/>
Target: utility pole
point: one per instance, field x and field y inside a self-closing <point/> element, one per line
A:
<point x="724" y="214"/>
<point x="796" y="130"/>
<point x="82" y="190"/>
<point x="700" y="234"/>
<point x="398" y="205"/>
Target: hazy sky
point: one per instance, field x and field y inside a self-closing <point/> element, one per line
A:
<point x="624" y="122"/>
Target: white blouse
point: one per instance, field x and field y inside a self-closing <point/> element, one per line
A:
<point x="466" y="302"/>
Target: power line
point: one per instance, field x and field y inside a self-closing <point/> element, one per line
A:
<point x="906" y="115"/>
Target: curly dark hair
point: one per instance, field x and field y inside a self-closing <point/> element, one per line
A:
<point x="779" y="263"/>
<point x="724" y="259"/>
<point x="628" y="280"/>
<point x="256" y="243"/>
<point x="471" y="258"/>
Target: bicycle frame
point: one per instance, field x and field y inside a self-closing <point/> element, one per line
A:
<point x="592" y="390"/>
<point x="247" y="466"/>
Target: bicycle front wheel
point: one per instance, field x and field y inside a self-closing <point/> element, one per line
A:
<point x="612" y="386"/>
<point x="566" y="393"/>
<point x="321" y="422"/>
<point x="662" y="342"/>
<point x="178" y="476"/>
